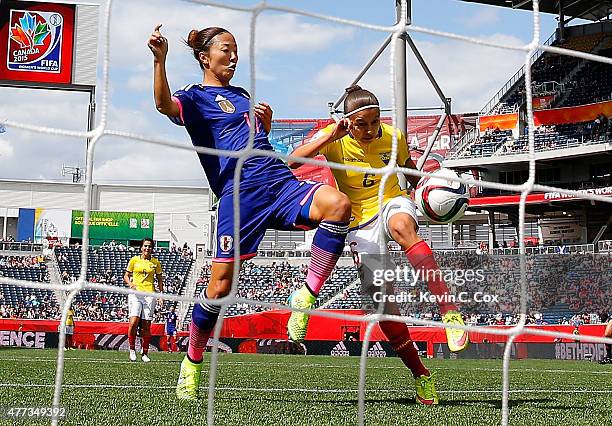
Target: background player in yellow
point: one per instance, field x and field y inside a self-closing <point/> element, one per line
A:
<point x="140" y="275"/>
<point x="69" y="330"/>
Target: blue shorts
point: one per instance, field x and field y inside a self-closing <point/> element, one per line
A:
<point x="170" y="330"/>
<point x="282" y="205"/>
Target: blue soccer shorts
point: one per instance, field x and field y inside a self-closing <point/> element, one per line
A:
<point x="282" y="205"/>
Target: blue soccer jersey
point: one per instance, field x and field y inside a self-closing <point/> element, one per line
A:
<point x="218" y="117"/>
<point x="171" y="319"/>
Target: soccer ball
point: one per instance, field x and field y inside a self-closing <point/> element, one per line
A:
<point x="442" y="200"/>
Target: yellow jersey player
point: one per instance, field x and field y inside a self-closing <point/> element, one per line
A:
<point x="360" y="139"/>
<point x="69" y="330"/>
<point x="140" y="275"/>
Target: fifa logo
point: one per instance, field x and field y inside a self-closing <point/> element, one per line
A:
<point x="35" y="41"/>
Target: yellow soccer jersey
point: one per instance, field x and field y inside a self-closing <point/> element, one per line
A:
<point x="70" y="318"/>
<point x="360" y="187"/>
<point x="143" y="272"/>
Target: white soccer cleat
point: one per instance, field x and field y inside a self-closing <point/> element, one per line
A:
<point x="145" y="358"/>
<point x="132" y="355"/>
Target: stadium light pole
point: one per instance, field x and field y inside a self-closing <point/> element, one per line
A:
<point x="91" y="116"/>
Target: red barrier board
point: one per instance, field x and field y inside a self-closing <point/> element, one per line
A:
<point x="536" y="198"/>
<point x="272" y="325"/>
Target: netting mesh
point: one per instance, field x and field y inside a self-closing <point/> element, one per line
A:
<point x="103" y="130"/>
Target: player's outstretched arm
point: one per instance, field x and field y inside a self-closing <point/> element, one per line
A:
<point x="161" y="90"/>
<point x="413" y="180"/>
<point x="321" y="139"/>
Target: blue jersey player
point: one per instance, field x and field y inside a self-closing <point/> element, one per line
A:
<point x="171" y="318"/>
<point x="216" y="115"/>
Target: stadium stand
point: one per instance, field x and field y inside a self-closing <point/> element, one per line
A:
<point x="273" y="283"/>
<point x="547" y="138"/>
<point x="568" y="82"/>
<point x="560" y="287"/>
<point x="593" y="83"/>
<point x="551" y="67"/>
<point x="563" y="288"/>
<point x="107" y="265"/>
<point x="22" y="302"/>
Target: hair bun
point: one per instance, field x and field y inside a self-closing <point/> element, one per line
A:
<point x="191" y="38"/>
<point x="353" y="88"/>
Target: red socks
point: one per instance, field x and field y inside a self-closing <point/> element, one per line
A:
<point x="146" y="339"/>
<point x="422" y="260"/>
<point x="399" y="337"/>
<point x="132" y="341"/>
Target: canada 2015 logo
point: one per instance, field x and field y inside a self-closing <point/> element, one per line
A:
<point x="35" y="41"/>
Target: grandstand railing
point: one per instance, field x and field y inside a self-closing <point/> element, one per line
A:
<point x="604" y="246"/>
<point x="182" y="307"/>
<point x="21" y="246"/>
<point x="520" y="145"/>
<point x="547" y="88"/>
<point x="515" y="78"/>
<point x="465" y="141"/>
<point x="55" y="276"/>
<point x="295" y="252"/>
<point x="564" y="249"/>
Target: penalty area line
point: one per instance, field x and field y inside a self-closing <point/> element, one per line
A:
<point x="303" y="390"/>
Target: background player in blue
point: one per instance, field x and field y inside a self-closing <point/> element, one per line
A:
<point x="216" y="115"/>
<point x="171" y="318"/>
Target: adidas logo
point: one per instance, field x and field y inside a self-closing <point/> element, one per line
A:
<point x="340" y="350"/>
<point x="220" y="98"/>
<point x="377" y="351"/>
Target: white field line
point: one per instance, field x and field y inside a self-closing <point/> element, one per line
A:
<point x="305" y="390"/>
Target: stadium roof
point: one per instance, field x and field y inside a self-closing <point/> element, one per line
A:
<point x="591" y="10"/>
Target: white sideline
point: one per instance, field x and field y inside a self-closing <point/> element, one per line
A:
<point x="304" y="390"/>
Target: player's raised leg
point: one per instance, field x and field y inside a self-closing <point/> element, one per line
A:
<point x="397" y="333"/>
<point x="403" y="229"/>
<point x="331" y="209"/>
<point x="203" y="320"/>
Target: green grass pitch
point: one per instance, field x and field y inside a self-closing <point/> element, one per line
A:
<point x="104" y="388"/>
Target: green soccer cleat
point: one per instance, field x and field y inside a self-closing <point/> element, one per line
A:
<point x="426" y="390"/>
<point x="456" y="339"/>
<point x="298" y="321"/>
<point x="188" y="386"/>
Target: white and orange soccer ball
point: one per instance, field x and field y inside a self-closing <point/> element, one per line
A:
<point x="442" y="200"/>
